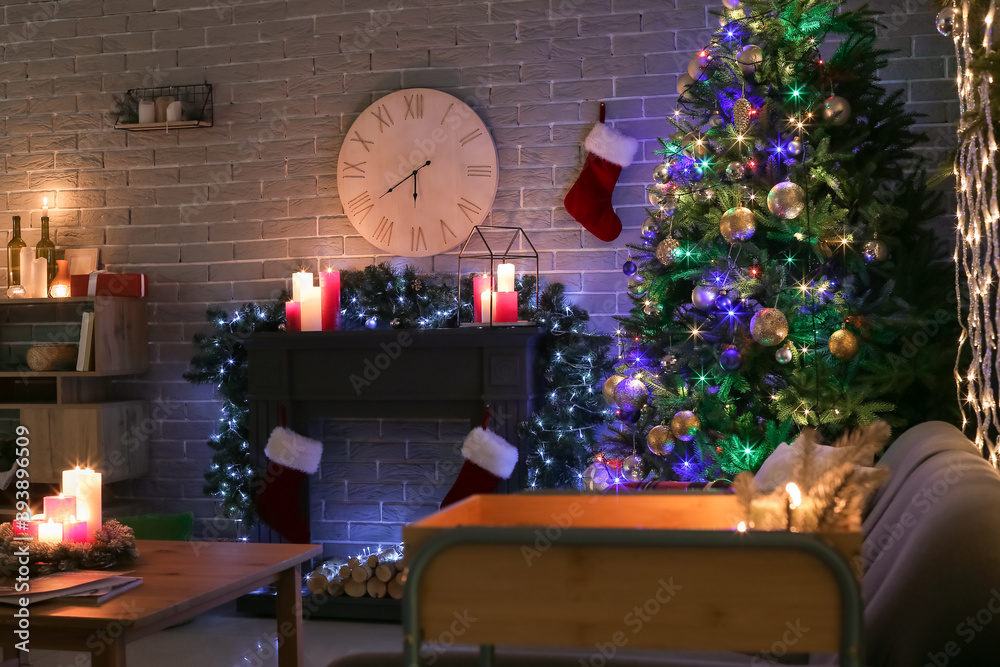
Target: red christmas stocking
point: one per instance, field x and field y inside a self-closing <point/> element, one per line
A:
<point x="589" y="200"/>
<point x="280" y="503"/>
<point x="488" y="459"/>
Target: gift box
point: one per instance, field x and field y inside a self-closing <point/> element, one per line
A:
<point x="103" y="283"/>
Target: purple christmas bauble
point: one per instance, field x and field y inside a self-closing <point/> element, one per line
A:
<point x="723" y="303"/>
<point x="731" y="359"/>
<point x="629" y="267"/>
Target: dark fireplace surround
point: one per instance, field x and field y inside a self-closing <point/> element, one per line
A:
<point x="391" y="408"/>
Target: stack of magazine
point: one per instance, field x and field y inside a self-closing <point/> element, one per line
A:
<point x="80" y="587"/>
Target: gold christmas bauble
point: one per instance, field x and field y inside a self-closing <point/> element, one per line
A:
<point x="609" y="388"/>
<point x="660" y="441"/>
<point x="666" y="251"/>
<point x="737" y="224"/>
<point x="769" y="327"/>
<point x="786" y="200"/>
<point x="843" y="344"/>
<point x="685" y="425"/>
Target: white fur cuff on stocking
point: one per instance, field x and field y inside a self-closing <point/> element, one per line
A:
<point x="292" y="450"/>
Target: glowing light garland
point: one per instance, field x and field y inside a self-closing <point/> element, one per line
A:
<point x="977" y="253"/>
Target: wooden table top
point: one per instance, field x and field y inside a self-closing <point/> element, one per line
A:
<point x="179" y="577"/>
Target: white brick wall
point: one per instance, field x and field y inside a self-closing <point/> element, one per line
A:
<point x="227" y="213"/>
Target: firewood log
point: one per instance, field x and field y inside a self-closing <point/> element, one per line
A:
<point x="355" y="589"/>
<point x="345" y="571"/>
<point x="335" y="587"/>
<point x="395" y="589"/>
<point x="373" y="561"/>
<point x="354" y="562"/>
<point x="385" y="571"/>
<point x="361" y="573"/>
<point x="316" y="582"/>
<point x="376" y="588"/>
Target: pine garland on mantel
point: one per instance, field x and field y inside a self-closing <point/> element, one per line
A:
<point x="561" y="434"/>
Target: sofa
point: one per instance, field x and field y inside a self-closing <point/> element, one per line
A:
<point x="931" y="559"/>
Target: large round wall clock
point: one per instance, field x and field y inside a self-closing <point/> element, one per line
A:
<point x="417" y="171"/>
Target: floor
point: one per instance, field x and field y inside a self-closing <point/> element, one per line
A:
<point x="220" y="639"/>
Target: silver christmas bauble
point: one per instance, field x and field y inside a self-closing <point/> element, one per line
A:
<point x="795" y="147"/>
<point x="631" y="394"/>
<point x="715" y="120"/>
<point x="705" y="194"/>
<point x="703" y="297"/>
<point x="637" y="285"/>
<point x="749" y="58"/>
<point x="666" y="251"/>
<point x="659" y="193"/>
<point x="783" y="355"/>
<point x="769" y="327"/>
<point x="649" y="229"/>
<point x="875" y="251"/>
<point x="786" y="200"/>
<point x="737" y="224"/>
<point x="596" y="477"/>
<point x="652" y="309"/>
<point x="632" y="468"/>
<point x="945" y="21"/>
<point x="837" y="110"/>
<point x="684" y="81"/>
<point x="736" y="170"/>
<point x="696" y="145"/>
<point x="697" y="65"/>
<point x="661" y="173"/>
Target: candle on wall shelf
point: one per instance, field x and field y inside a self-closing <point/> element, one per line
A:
<point x="329" y="284"/>
<point x="50" y="532"/>
<point x="486" y="305"/>
<point x="147" y="111"/>
<point x="300" y="281"/>
<point x="39" y="278"/>
<point x="312" y="308"/>
<point x="27" y="257"/>
<point x="59" y="508"/>
<point x="505" y="307"/>
<point x="59" y="288"/>
<point x="480" y="285"/>
<point x="505" y="278"/>
<point x="86" y="486"/>
<point x="293" y="316"/>
<point x="74" y="531"/>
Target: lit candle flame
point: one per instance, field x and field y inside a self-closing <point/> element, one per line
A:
<point x="741" y="527"/>
<point x="794" y="495"/>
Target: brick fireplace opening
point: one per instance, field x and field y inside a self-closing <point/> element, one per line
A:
<point x="392" y="425"/>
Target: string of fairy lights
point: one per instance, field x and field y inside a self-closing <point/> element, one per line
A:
<point x="977" y="248"/>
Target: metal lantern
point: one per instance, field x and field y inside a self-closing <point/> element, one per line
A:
<point x="504" y="251"/>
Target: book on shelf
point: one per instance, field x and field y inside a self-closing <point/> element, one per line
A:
<point x="85" y="354"/>
<point x="77" y="587"/>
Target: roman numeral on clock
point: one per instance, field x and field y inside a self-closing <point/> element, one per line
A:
<point x="445" y="230"/>
<point x="383" y="233"/>
<point x="469" y="209"/>
<point x="387" y="121"/>
<point x="414" y="106"/>
<point x="364" y="142"/>
<point x="416" y="238"/>
<point x="356" y="167"/>
<point x="470" y="136"/>
<point x="480" y="170"/>
<point x="360" y="205"/>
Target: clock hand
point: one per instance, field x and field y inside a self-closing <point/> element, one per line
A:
<point x="412" y="175"/>
<point x="414" y="189"/>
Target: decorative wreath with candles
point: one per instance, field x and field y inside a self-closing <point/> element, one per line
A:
<point x="112" y="544"/>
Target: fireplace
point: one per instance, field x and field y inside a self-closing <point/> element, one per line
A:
<point x="391" y="408"/>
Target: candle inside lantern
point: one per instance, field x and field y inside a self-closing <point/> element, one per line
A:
<point x="86" y="486"/>
<point x="505" y="278"/>
<point x="300" y="281"/>
<point x="59" y="508"/>
<point x="74" y="531"/>
<point x="293" y="316"/>
<point x="50" y="531"/>
<point x="312" y="308"/>
<point x="329" y="284"/>
<point x="480" y="285"/>
<point x="486" y="305"/>
<point x="505" y="307"/>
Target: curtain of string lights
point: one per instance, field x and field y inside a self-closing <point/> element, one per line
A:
<point x="977" y="251"/>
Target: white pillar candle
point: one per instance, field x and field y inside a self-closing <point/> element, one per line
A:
<point x="86" y="486"/>
<point x="505" y="278"/>
<point x="487" y="304"/>
<point x="147" y="111"/>
<point x="27" y="257"/>
<point x="39" y="278"/>
<point x="312" y="308"/>
<point x="50" y="532"/>
<point x="174" y="111"/>
<point x="300" y="280"/>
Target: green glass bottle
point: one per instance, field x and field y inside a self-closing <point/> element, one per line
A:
<point x="14" y="254"/>
<point x="47" y="249"/>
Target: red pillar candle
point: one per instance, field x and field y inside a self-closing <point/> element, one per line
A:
<point x="505" y="307"/>
<point x="480" y="284"/>
<point x="74" y="531"/>
<point x="59" y="508"/>
<point x="329" y="284"/>
<point x="293" y="316"/>
<point x="27" y="528"/>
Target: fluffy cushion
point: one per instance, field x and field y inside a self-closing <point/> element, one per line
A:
<point x="777" y="469"/>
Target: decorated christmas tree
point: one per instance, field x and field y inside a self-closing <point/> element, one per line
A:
<point x="785" y="269"/>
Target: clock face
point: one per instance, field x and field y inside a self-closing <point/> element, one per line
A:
<point x="417" y="171"/>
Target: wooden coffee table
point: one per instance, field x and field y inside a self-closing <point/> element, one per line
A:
<point x="180" y="581"/>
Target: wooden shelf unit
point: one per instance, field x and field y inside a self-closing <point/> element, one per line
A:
<point x="70" y="415"/>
